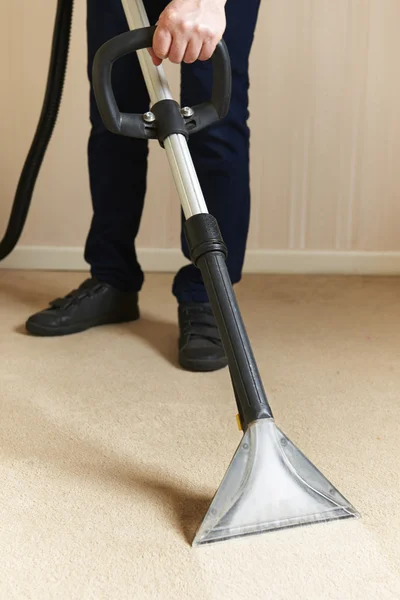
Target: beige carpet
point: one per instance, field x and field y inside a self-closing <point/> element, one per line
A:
<point x="110" y="454"/>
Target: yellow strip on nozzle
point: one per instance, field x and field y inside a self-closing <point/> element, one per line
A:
<point x="239" y="423"/>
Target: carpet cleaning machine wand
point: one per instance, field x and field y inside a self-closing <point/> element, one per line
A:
<point x="269" y="483"/>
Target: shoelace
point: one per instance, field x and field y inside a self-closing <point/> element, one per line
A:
<point x="86" y="290"/>
<point x="199" y="323"/>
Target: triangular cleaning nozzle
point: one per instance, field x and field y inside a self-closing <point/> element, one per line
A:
<point x="269" y="485"/>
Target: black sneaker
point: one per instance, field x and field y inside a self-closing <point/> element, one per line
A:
<point x="93" y="303"/>
<point x="200" y="345"/>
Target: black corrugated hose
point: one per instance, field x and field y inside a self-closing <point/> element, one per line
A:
<point x="48" y="118"/>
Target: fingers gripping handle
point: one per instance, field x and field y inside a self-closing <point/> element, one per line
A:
<point x="133" y="125"/>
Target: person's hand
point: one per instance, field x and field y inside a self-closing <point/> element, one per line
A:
<point x="188" y="30"/>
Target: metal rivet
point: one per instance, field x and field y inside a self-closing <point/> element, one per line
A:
<point x="283" y="442"/>
<point x="245" y="446"/>
<point x="149" y="117"/>
<point x="187" y="112"/>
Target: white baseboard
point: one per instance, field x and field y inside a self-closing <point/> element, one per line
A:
<point x="257" y="261"/>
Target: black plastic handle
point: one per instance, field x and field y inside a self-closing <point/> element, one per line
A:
<point x="133" y="125"/>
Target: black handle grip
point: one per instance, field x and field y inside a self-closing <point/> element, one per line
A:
<point x="133" y="125"/>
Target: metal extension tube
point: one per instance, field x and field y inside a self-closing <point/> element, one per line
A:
<point x="180" y="160"/>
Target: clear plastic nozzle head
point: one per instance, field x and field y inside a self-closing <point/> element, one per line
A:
<point x="269" y="485"/>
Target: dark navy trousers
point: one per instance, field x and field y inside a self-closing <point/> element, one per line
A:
<point x="118" y="165"/>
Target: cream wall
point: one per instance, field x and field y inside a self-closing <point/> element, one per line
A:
<point x="325" y="118"/>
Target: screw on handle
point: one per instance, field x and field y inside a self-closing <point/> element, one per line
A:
<point x="133" y="125"/>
